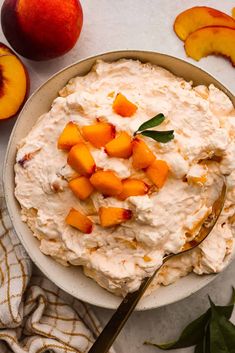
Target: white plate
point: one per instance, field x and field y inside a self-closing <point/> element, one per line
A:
<point x="71" y="279"/>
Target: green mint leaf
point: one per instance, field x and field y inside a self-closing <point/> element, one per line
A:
<point x="222" y="332"/>
<point x="159" y="136"/>
<point x="155" y="121"/>
<point x="192" y="334"/>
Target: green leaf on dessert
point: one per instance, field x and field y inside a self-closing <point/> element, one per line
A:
<point x="155" y="121"/>
<point x="159" y="136"/>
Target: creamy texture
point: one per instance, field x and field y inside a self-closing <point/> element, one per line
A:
<point x="119" y="258"/>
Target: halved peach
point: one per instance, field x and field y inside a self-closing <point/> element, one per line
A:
<point x="120" y="147"/>
<point x="81" y="187"/>
<point x="106" y="182"/>
<point x="81" y="160"/>
<point x="197" y="17"/>
<point x="142" y="156"/>
<point x="111" y="216"/>
<point x="13" y="85"/>
<point x="122" y="106"/>
<point x="211" y="40"/>
<point x="80" y="221"/>
<point x="157" y="172"/>
<point x="4" y="50"/>
<point x="133" y="187"/>
<point x="99" y="134"/>
<point x="69" y="137"/>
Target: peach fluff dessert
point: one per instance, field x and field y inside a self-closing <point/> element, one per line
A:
<point x="124" y="169"/>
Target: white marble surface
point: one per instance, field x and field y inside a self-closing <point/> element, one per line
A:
<point x="137" y="24"/>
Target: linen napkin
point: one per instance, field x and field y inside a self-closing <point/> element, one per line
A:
<point x="35" y="315"/>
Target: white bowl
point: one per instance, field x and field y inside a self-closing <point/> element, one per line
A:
<point x="71" y="279"/>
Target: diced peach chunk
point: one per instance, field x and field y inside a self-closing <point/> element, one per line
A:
<point x="157" y="172"/>
<point x="120" y="147"/>
<point x="142" y="155"/>
<point x="81" y="160"/>
<point x="69" y="137"/>
<point x="107" y="183"/>
<point x="122" y="106"/>
<point x="133" y="187"/>
<point x="111" y="216"/>
<point x="81" y="187"/>
<point x="99" y="134"/>
<point x="80" y="221"/>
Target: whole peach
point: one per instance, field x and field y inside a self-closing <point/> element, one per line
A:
<point x="41" y="29"/>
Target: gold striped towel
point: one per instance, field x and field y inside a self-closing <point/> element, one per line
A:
<point x="35" y="315"/>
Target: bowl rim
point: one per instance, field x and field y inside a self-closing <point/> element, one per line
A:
<point x="134" y="53"/>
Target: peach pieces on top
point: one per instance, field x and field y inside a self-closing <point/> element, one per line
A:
<point x="78" y="142"/>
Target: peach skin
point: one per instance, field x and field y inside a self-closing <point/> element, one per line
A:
<point x="69" y="137"/>
<point x="80" y="221"/>
<point x="211" y="40"/>
<point x="41" y="29"/>
<point x="197" y="17"/>
<point x="122" y="106"/>
<point x="120" y="147"/>
<point x="111" y="216"/>
<point x="14" y="84"/>
<point x="98" y="134"/>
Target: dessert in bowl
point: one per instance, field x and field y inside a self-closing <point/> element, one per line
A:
<point x="98" y="193"/>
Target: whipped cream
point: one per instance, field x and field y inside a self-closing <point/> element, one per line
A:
<point x="119" y="258"/>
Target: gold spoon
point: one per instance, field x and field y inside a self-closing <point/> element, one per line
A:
<point x="121" y="315"/>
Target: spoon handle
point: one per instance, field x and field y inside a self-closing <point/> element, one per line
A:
<point x="119" y="318"/>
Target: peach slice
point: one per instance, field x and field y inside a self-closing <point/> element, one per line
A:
<point x="81" y="187"/>
<point x="120" y="147"/>
<point x="69" y="137"/>
<point x="80" y="221"/>
<point x="211" y="40"/>
<point x="107" y="183"/>
<point x="111" y="216"/>
<point x="198" y="17"/>
<point x="233" y="12"/>
<point x="99" y="134"/>
<point x="157" y="172"/>
<point x="133" y="187"/>
<point x="13" y="85"/>
<point x="142" y="155"/>
<point x="122" y="106"/>
<point x="81" y="160"/>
